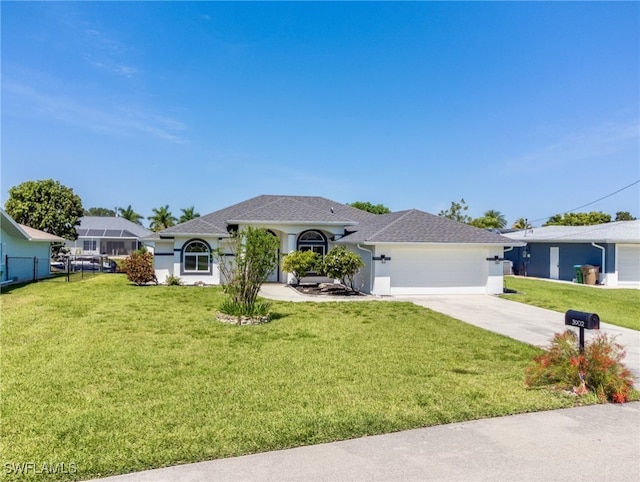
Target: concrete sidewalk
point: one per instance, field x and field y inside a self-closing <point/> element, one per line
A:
<point x="595" y="443"/>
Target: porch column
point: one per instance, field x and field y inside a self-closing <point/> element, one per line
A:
<point x="291" y="246"/>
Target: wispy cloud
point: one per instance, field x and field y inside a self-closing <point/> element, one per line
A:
<point x="101" y="49"/>
<point x="598" y="141"/>
<point x="106" y="65"/>
<point x="117" y="120"/>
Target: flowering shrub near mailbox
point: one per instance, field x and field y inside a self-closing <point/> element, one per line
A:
<point x="598" y="369"/>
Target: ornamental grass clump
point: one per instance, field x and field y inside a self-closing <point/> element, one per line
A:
<point x="599" y="369"/>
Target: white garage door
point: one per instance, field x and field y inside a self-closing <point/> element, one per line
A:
<point x="438" y="270"/>
<point x="629" y="264"/>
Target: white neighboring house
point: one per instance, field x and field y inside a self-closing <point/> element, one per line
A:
<point x="110" y="236"/>
<point x="25" y="253"/>
<point x="405" y="253"/>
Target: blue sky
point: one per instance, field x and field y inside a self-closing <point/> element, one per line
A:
<point x="527" y="108"/>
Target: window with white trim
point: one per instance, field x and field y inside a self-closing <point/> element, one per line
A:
<point x="196" y="257"/>
<point x="313" y="241"/>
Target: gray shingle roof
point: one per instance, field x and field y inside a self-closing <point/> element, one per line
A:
<point x="110" y="227"/>
<point x="415" y="226"/>
<point x="411" y="226"/>
<point x="616" y="232"/>
<point x="271" y="209"/>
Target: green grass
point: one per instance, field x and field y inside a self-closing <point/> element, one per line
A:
<point x="619" y="307"/>
<point x="116" y="378"/>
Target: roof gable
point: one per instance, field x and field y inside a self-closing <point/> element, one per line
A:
<point x="25" y="232"/>
<point x="415" y="226"/>
<point x="271" y="209"/>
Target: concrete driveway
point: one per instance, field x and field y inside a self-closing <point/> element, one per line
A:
<point x="525" y="323"/>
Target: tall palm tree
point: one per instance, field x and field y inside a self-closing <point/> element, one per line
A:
<point x="188" y="214"/>
<point x="495" y="218"/>
<point x="130" y="214"/>
<point x="161" y="219"/>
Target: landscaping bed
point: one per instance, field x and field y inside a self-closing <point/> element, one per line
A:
<point x="326" y="289"/>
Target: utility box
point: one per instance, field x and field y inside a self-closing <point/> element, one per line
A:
<point x="581" y="319"/>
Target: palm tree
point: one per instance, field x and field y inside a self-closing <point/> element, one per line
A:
<point x="495" y="218"/>
<point x="161" y="219"/>
<point x="521" y="223"/>
<point x="188" y="214"/>
<point x="130" y="214"/>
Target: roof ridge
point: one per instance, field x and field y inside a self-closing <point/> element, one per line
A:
<point x="387" y="226"/>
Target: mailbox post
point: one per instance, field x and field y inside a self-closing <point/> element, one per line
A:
<point x="582" y="320"/>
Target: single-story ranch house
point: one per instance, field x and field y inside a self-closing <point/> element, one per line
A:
<point x="25" y="253"/>
<point x="111" y="236"/>
<point x="553" y="251"/>
<point x="406" y="252"/>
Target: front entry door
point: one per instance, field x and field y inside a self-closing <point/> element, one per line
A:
<point x="554" y="262"/>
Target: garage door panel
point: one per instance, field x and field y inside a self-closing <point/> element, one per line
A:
<point x="435" y="268"/>
<point x="629" y="264"/>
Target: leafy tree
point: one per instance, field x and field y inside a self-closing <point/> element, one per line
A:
<point x="456" y="212"/>
<point x="490" y="219"/>
<point x="129" y="214"/>
<point x="299" y="263"/>
<point x="521" y="223"/>
<point x="100" y="212"/>
<point x="578" y="219"/>
<point x="624" y="216"/>
<point x="254" y="257"/>
<point x="342" y="264"/>
<point x="139" y="267"/>
<point x="46" y="205"/>
<point x="372" y="208"/>
<point x="161" y="219"/>
<point x="188" y="214"/>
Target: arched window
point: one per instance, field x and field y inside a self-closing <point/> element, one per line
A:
<point x="312" y="241"/>
<point x="196" y="255"/>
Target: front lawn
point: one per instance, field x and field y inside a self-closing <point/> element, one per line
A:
<point x="115" y="378"/>
<point x="619" y="307"/>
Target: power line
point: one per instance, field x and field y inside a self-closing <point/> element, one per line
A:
<point x="592" y="202"/>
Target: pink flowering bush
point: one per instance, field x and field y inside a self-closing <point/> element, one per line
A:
<point x="598" y="370"/>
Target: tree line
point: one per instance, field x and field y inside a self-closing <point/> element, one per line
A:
<point x="493" y="219"/>
<point x="49" y="206"/>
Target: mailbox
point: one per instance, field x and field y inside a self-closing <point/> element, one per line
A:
<point x="580" y="319"/>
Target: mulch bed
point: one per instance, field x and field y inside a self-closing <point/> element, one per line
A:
<point x="326" y="289"/>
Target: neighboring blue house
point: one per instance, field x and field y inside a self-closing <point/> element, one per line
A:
<point x="25" y="253"/>
<point x="553" y="252"/>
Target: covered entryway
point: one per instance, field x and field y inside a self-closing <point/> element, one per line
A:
<point x="436" y="270"/>
<point x="628" y="264"/>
